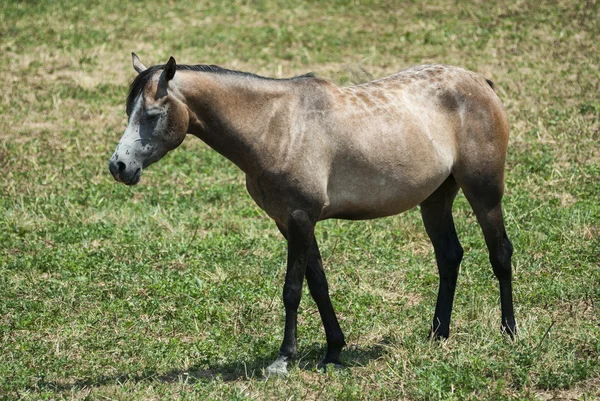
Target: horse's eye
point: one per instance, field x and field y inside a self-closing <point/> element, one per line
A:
<point x="152" y="117"/>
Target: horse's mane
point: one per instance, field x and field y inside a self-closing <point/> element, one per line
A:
<point x="139" y="83"/>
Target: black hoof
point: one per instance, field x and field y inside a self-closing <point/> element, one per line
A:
<point x="509" y="330"/>
<point x="331" y="365"/>
<point x="438" y="336"/>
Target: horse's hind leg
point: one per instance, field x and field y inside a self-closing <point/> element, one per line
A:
<point x="484" y="193"/>
<point x="436" y="211"/>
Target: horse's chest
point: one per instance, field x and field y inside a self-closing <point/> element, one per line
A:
<point x="278" y="194"/>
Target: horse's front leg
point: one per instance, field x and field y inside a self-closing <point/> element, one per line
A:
<point x="300" y="235"/>
<point x="319" y="290"/>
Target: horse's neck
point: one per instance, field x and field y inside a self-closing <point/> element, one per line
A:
<point x="232" y="114"/>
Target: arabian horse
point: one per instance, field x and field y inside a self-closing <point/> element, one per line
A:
<point x="313" y="151"/>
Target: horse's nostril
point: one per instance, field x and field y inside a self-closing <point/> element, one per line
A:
<point x="121" y="166"/>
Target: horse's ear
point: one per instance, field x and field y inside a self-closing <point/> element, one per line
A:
<point x="137" y="64"/>
<point x="170" y="69"/>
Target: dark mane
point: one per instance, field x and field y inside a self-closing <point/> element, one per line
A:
<point x="139" y="83"/>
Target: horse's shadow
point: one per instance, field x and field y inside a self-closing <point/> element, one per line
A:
<point x="353" y="356"/>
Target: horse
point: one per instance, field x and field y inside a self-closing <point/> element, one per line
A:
<point x="312" y="150"/>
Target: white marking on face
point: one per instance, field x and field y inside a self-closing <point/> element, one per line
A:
<point x="126" y="150"/>
<point x="142" y="142"/>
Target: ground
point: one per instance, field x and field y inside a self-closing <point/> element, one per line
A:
<point x="172" y="289"/>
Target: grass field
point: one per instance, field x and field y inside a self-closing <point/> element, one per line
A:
<point x="172" y="289"/>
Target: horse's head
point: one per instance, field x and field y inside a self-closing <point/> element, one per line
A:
<point x="158" y="121"/>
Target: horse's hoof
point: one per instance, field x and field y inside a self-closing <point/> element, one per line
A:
<point x="333" y="366"/>
<point x="277" y="369"/>
<point x="436" y="335"/>
<point x="509" y="331"/>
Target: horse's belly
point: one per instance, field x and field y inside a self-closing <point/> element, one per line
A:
<point x="362" y="195"/>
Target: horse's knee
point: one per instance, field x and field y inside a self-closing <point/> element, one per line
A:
<point x="449" y="262"/>
<point x="454" y="256"/>
<point x="500" y="258"/>
<point x="291" y="296"/>
<point x="508" y="247"/>
<point x="315" y="277"/>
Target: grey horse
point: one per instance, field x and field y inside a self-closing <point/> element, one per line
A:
<point x="312" y="151"/>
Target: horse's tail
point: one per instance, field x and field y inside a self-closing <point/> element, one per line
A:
<point x="490" y="83"/>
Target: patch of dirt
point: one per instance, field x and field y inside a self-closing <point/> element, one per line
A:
<point x="587" y="390"/>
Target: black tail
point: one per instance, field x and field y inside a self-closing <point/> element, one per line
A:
<point x="490" y="83"/>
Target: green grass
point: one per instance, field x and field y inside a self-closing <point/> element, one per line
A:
<point x="172" y="289"/>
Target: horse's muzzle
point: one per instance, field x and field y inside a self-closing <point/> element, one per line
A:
<point x="120" y="172"/>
